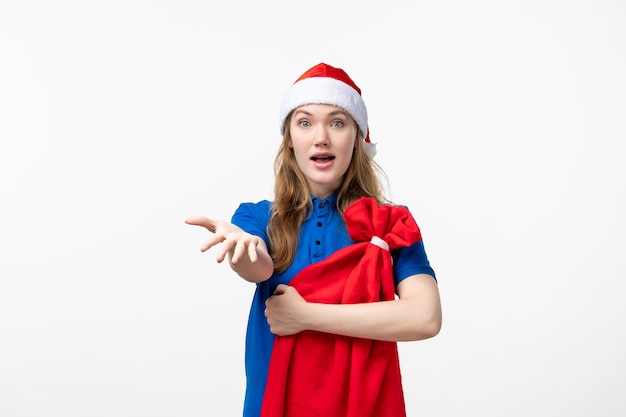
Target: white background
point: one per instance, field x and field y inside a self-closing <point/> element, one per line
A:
<point x="500" y="124"/>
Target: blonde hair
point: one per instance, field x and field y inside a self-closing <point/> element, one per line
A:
<point x="292" y="202"/>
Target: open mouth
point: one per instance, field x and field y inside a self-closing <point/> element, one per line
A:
<point x="322" y="158"/>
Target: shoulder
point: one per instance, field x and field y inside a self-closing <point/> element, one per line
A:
<point x="403" y="207"/>
<point x="399" y="208"/>
<point x="260" y="210"/>
<point x="253" y="217"/>
<point x="263" y="206"/>
<point x="411" y="260"/>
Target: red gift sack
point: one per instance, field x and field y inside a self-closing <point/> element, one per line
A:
<point x="320" y="374"/>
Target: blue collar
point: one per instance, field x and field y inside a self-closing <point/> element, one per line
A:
<point x="331" y="200"/>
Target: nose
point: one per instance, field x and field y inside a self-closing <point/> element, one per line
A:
<point x="321" y="137"/>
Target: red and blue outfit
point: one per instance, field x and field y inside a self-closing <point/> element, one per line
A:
<point x="323" y="236"/>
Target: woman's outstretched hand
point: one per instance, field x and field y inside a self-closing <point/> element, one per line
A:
<point x="248" y="254"/>
<point x="234" y="240"/>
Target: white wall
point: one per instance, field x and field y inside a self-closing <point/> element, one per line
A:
<point x="500" y="124"/>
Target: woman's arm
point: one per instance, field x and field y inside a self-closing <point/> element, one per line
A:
<point x="415" y="315"/>
<point x="247" y="254"/>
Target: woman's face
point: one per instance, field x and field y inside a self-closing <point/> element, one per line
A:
<point x="323" y="138"/>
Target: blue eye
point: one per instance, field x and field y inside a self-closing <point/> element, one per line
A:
<point x="304" y="123"/>
<point x="337" y="123"/>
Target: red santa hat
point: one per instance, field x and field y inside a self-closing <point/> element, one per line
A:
<point x="324" y="84"/>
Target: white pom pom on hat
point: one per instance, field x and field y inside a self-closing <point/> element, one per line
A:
<point x="324" y="84"/>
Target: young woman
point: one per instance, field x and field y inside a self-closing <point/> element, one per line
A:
<point x="324" y="167"/>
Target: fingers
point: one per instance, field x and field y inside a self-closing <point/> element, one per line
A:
<point x="238" y="251"/>
<point x="227" y="246"/>
<point x="247" y="246"/>
<point x="252" y="253"/>
<point x="210" y="225"/>
<point x="280" y="289"/>
<point x="233" y="240"/>
<point x="212" y="241"/>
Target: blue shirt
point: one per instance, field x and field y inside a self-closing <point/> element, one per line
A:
<point x="321" y="234"/>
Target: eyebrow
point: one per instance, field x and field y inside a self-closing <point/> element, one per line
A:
<point x="332" y="113"/>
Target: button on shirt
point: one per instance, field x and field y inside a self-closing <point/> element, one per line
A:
<point x="321" y="234"/>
